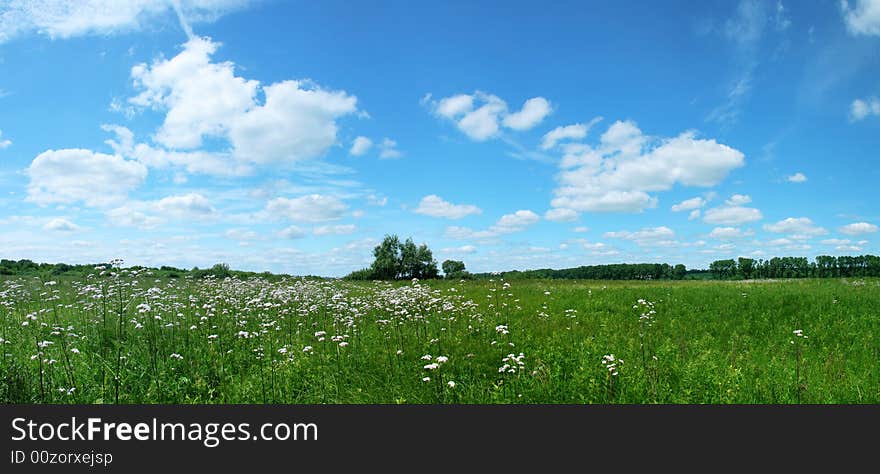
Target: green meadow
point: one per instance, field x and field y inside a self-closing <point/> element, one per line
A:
<point x="125" y="336"/>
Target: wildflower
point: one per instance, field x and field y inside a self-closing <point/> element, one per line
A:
<point x="451" y="384"/>
<point x="307" y="349"/>
<point x="213" y="336"/>
<point x="432" y="366"/>
<point x="426" y="379"/>
<point x="343" y="344"/>
<point x="399" y="352"/>
<point x="74" y="350"/>
<point x="427" y="357"/>
<point x="611" y="363"/>
<point x="442" y="359"/>
<point x="243" y="334"/>
<point x="176" y="356"/>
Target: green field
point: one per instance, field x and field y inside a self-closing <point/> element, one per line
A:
<point x="124" y="337"/>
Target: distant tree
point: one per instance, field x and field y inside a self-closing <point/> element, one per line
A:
<point x="453" y="269"/>
<point x="679" y="272"/>
<point x="395" y="260"/>
<point x="387" y="263"/>
<point x="746" y="267"/>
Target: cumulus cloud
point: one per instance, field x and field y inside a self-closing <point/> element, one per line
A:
<point x="645" y="236"/>
<point x="360" y="146"/>
<point x="796" y="178"/>
<point x="858" y="228"/>
<point x="576" y="131"/>
<point x="464" y="249"/>
<point x="689" y="204"/>
<point x="188" y="207"/>
<point x="507" y="224"/>
<point x="619" y="173"/>
<point x="732" y="215"/>
<point x="532" y="113"/>
<point x="292" y="232"/>
<point x="434" y="206"/>
<point x="70" y="18"/>
<point x="388" y="149"/>
<point x="309" y="208"/>
<point x="342" y="229"/>
<point x="862" y="17"/>
<point x="75" y="175"/>
<point x="729" y="233"/>
<point x="738" y="200"/>
<point x="862" y="108"/>
<point x="561" y="215"/>
<point x="59" y="224"/>
<point x="205" y="99"/>
<point x="797" y="227"/>
<point x="480" y="115"/>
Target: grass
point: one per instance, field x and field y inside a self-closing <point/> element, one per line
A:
<point x="126" y="337"/>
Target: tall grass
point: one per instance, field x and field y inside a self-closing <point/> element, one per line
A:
<point x="120" y="336"/>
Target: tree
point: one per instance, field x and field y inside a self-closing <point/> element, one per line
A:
<point x="679" y="272"/>
<point x="395" y="260"/>
<point x="386" y="265"/>
<point x="454" y="269"/>
<point x="746" y="267"/>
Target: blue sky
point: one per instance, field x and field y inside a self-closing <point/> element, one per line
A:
<point x="291" y="136"/>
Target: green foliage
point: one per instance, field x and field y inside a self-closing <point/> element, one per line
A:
<point x="455" y="270"/>
<point x="401" y="261"/>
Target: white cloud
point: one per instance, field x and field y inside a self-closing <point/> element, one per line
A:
<point x="581" y="229"/>
<point x="309" y="208"/>
<point x="186" y="206"/>
<point x="435" y="206"/>
<point x="647" y="236"/>
<point x="689" y="204"/>
<point x="729" y="233"/>
<point x="76" y="175"/>
<point x="796" y="178"/>
<point x="342" y="229"/>
<point x="695" y="214"/>
<point x="204" y="99"/>
<point x="190" y="207"/>
<point x="464" y="249"/>
<point x="798" y="227"/>
<point x="576" y="131"/>
<point x="241" y="235"/>
<point x="862" y="17"/>
<point x="858" y="228"/>
<point x="515" y="222"/>
<point x="561" y="215"/>
<point x="480" y="115"/>
<point x="507" y="224"/>
<point x="360" y="146"/>
<point x="732" y="215"/>
<point x="532" y="113"/>
<point x="617" y="175"/>
<point x="4" y="143"/>
<point x="861" y="108"/>
<point x="292" y="232"/>
<point x="388" y="149"/>
<point x="128" y="216"/>
<point x="836" y="242"/>
<point x="70" y="18"/>
<point x="738" y="200"/>
<point x="60" y="224"/>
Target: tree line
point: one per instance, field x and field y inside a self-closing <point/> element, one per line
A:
<point x="824" y="266"/>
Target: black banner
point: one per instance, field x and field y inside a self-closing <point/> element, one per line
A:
<point x="233" y="438"/>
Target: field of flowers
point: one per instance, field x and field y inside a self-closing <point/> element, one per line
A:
<point x="123" y="336"/>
